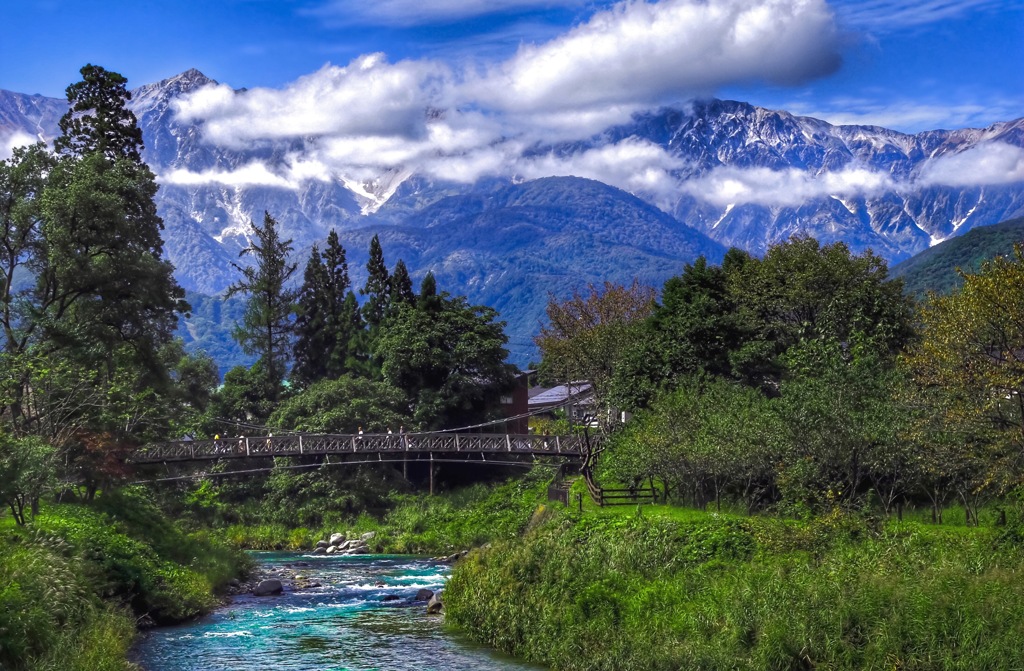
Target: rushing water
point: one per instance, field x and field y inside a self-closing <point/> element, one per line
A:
<point x="343" y="624"/>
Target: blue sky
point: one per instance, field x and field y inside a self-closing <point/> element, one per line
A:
<point x="911" y="65"/>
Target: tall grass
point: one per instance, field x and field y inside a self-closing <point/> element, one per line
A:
<point x="836" y="593"/>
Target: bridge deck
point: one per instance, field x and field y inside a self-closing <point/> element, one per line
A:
<point x="370" y="443"/>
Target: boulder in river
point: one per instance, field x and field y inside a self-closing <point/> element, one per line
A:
<point x="368" y="536"/>
<point x="391" y="597"/>
<point x="424" y="595"/>
<point x="358" y="550"/>
<point x="323" y="544"/>
<point x="435" y="605"/>
<point x="331" y="550"/>
<point x="268" y="587"/>
<point x="337" y="539"/>
<point x="320" y="551"/>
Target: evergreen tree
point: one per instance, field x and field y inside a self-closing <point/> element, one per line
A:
<point x="103" y="281"/>
<point x="377" y="288"/>
<point x="428" y="300"/>
<point x="267" y="326"/>
<point x="313" y="334"/>
<point x="401" y="286"/>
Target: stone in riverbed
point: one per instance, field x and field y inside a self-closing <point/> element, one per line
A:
<point x="435" y="605"/>
<point x="424" y="595"/>
<point x="268" y="587"/>
<point x="337" y="539"/>
<point x="331" y="550"/>
<point x="320" y="551"/>
<point x="323" y="544"/>
<point x="367" y="536"/>
<point x="359" y="550"/>
<point x="391" y="597"/>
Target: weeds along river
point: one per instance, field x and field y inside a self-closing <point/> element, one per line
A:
<point x="344" y="624"/>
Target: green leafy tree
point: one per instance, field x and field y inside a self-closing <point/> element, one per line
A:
<point x="344" y="405"/>
<point x="267" y="326"/>
<point x="587" y="334"/>
<point x="27" y="467"/>
<point x="450" y="361"/>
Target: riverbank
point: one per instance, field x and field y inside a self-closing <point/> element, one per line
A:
<point x="76" y="583"/>
<point x="703" y="591"/>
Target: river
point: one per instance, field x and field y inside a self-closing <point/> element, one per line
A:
<point x="345" y="624"/>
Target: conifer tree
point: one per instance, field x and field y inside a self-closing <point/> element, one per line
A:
<point x="267" y="326"/>
<point x="313" y="334"/>
<point x="377" y="288"/>
<point x="401" y="286"/>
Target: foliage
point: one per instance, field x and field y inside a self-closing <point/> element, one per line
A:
<point x="447" y="356"/>
<point x="26" y="472"/>
<point x="266" y="328"/>
<point x="345" y="405"/>
<point x="647" y="593"/>
<point x="587" y="333"/>
<point x="936" y="269"/>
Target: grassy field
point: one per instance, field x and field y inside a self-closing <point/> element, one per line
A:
<point x="74" y="584"/>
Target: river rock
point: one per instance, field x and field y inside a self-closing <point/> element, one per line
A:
<point x="337" y="539"/>
<point x="320" y="551"/>
<point x="358" y="550"/>
<point x="434" y="605"/>
<point x="268" y="587"/>
<point x="424" y="595"/>
<point x="331" y="550"/>
<point x="391" y="597"/>
<point x="323" y="544"/>
<point x="368" y="536"/>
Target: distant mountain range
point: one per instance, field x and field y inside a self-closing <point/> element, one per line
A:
<point x="744" y="176"/>
<point x="935" y="269"/>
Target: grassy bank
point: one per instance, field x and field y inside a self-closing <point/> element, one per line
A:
<point x="77" y="580"/>
<point x="717" y="592"/>
<point x="417" y="523"/>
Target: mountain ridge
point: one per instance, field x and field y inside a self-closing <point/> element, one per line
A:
<point x="539" y="235"/>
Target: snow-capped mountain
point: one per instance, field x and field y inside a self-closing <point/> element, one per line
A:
<point x="734" y="175"/>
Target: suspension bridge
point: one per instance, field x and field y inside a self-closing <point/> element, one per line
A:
<point x="379" y="444"/>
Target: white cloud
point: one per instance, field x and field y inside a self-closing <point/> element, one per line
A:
<point x="370" y="117"/>
<point x="11" y="141"/>
<point x="892" y="15"/>
<point x="252" y="174"/>
<point x="990" y="163"/>
<point x="418" y="12"/>
<point x="633" y="165"/>
<point x="783" y="188"/>
<point x="369" y="96"/>
<point x="913" y="116"/>
<point x="641" y="52"/>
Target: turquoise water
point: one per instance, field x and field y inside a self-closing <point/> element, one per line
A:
<point x="344" y="624"/>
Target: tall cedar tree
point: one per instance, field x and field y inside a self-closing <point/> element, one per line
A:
<point x="377" y="288"/>
<point x="313" y="335"/>
<point x="103" y="281"/>
<point x="401" y="286"/>
<point x="267" y="327"/>
<point x="328" y="325"/>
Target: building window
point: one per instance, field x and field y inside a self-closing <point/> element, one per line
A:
<point x="506" y="400"/>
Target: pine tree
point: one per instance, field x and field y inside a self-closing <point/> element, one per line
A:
<point x="313" y="334"/>
<point x="266" y="328"/>
<point x="428" y="300"/>
<point x="377" y="288"/>
<point x="401" y="286"/>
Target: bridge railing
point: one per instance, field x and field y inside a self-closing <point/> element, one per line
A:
<point x="376" y="443"/>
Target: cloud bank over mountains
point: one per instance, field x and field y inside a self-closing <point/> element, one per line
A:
<point x="352" y="123"/>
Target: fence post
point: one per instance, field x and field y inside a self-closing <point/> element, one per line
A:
<point x="247" y="446"/>
<point x="300" y="443"/>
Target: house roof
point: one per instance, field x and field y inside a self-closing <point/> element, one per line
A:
<point x="560" y="394"/>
